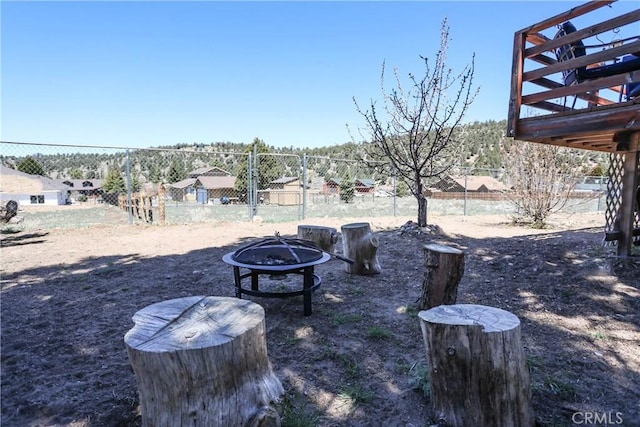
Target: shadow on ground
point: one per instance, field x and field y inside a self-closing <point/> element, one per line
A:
<point x="359" y="359"/>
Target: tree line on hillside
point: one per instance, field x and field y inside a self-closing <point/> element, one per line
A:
<point x="482" y="147"/>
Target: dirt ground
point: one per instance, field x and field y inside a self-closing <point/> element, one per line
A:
<point x="68" y="297"/>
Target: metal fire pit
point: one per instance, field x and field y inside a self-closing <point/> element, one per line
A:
<point x="276" y="257"/>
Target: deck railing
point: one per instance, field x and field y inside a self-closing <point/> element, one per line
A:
<point x="583" y="114"/>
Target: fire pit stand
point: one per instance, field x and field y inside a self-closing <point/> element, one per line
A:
<point x="310" y="281"/>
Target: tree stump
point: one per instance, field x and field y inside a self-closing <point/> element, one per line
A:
<point x="444" y="269"/>
<point x="202" y="361"/>
<point x="360" y="245"/>
<point x="477" y="366"/>
<point x="8" y="211"/>
<point x="325" y="237"/>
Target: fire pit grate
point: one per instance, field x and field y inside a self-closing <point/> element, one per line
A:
<point x="277" y="251"/>
<point x="278" y="257"/>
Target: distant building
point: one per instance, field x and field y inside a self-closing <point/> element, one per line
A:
<point x="285" y="191"/>
<point x="204" y="185"/>
<point x="207" y="171"/>
<point x="214" y="188"/>
<point x="477" y="184"/>
<point x="362" y="186"/>
<point x="91" y="188"/>
<point x="29" y="189"/>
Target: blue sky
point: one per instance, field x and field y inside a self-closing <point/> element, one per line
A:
<point x="151" y="73"/>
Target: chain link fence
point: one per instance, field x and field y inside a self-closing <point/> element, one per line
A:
<point x="64" y="186"/>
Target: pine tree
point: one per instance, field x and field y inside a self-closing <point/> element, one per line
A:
<point x="347" y="189"/>
<point x="268" y="168"/>
<point x="31" y="166"/>
<point x="176" y="172"/>
<point x="75" y="173"/>
<point x="114" y="183"/>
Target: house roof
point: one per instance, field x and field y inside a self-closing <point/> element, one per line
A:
<point x="210" y="171"/>
<point x="214" y="182"/>
<point x="284" y="180"/>
<point x="366" y="182"/>
<point x="16" y="182"/>
<point x="476" y="182"/>
<point x="183" y="183"/>
<point x="360" y="182"/>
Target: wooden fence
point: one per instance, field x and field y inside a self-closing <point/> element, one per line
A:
<point x="142" y="205"/>
<point x="497" y="195"/>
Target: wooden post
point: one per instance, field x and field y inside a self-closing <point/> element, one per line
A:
<point x="148" y="208"/>
<point x="162" y="211"/>
<point x="135" y="200"/>
<point x="142" y="197"/>
<point x="477" y="367"/>
<point x="202" y="361"/>
<point x="325" y="237"/>
<point x="444" y="269"/>
<point x="359" y="244"/>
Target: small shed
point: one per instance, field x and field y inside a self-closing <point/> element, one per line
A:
<point x="285" y="191"/>
<point x="203" y="184"/>
<point x="215" y="188"/>
<point x="183" y="190"/>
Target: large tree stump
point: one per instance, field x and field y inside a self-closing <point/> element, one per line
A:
<point x="360" y="245"/>
<point x="444" y="269"/>
<point x="202" y="361"/>
<point x="325" y="237"/>
<point x="477" y="366"/>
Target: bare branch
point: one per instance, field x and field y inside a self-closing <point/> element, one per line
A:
<point x="415" y="131"/>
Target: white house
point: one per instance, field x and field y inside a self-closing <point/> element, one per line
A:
<point x="29" y="189"/>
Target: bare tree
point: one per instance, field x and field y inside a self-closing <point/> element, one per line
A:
<point x="541" y="177"/>
<point x="415" y="133"/>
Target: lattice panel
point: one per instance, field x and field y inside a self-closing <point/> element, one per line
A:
<point x="614" y="196"/>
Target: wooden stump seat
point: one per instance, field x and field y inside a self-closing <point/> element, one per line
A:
<point x="202" y="361"/>
<point x="325" y="237"/>
<point x="360" y="245"/>
<point x="477" y="367"/>
<point x="444" y="267"/>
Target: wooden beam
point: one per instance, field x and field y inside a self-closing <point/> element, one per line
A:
<point x="583" y="61"/>
<point x="536" y="98"/>
<point x="550" y="106"/>
<point x="515" y="100"/>
<point x="583" y="90"/>
<point x="565" y="16"/>
<point x="537" y="38"/>
<point x="629" y="188"/>
<point x="607" y="121"/>
<point x="584" y="33"/>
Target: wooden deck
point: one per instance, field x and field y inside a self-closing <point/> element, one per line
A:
<point x="592" y="114"/>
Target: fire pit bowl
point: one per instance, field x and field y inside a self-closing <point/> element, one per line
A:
<point x="277" y="256"/>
